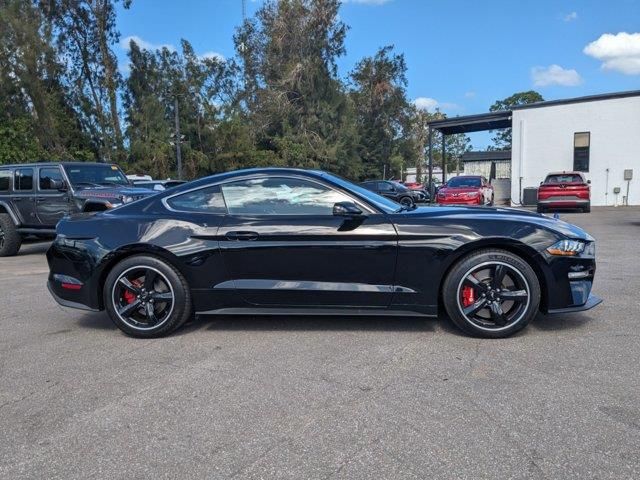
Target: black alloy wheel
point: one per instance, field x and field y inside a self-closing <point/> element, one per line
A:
<point x="10" y="239"/>
<point x="143" y="297"/>
<point x="492" y="293"/>
<point x="147" y="297"/>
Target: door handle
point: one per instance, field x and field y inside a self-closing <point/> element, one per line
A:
<point x="241" y="235"/>
<point x="18" y="199"/>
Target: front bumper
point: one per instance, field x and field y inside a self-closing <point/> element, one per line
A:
<point x="592" y="301"/>
<point x="459" y="201"/>
<point x="67" y="303"/>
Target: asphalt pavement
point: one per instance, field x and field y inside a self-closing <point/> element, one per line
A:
<point x="297" y="398"/>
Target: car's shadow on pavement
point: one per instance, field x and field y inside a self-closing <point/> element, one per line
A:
<point x="554" y="323"/>
<point x="96" y="321"/>
<point x="319" y="323"/>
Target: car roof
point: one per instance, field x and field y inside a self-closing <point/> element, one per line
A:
<point x="51" y="164"/>
<point x="565" y="173"/>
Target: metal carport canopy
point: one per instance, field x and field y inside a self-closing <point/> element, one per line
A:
<point x="473" y="123"/>
<point x="466" y="124"/>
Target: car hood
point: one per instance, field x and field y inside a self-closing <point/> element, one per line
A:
<point x="459" y="190"/>
<point x="498" y="214"/>
<point x="114" y="192"/>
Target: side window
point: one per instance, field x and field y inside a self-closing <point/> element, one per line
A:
<point x="48" y="174"/>
<point x="23" y="179"/>
<point x="204" y="200"/>
<point x="5" y="180"/>
<point x="384" y="187"/>
<point x="280" y="196"/>
<point x="581" y="147"/>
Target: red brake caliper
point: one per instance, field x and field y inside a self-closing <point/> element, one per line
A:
<point x="129" y="296"/>
<point x="468" y="296"/>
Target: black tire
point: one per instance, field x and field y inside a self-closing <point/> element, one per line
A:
<point x="505" y="298"/>
<point x="407" y="201"/>
<point x="491" y="201"/>
<point x="540" y="209"/>
<point x="10" y="239"/>
<point x="154" y="285"/>
<point x="587" y="209"/>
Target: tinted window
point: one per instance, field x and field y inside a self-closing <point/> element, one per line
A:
<point x="564" y="178"/>
<point x="280" y="196"/>
<point x="385" y="204"/>
<point x="464" y="182"/>
<point x="400" y="187"/>
<point x="385" y="187"/>
<point x="5" y="176"/>
<point x="48" y="174"/>
<point x="23" y="179"/>
<point x="205" y="200"/>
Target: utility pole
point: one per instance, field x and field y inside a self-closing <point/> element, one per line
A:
<point x="178" y="137"/>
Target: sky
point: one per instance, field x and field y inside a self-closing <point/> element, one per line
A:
<point x="462" y="55"/>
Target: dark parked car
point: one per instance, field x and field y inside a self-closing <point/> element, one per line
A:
<point x="395" y="191"/>
<point x="564" y="190"/>
<point x="35" y="196"/>
<point x="158" y="185"/>
<point x="286" y="241"/>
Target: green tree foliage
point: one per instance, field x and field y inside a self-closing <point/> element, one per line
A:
<point x="36" y="111"/>
<point x="278" y="102"/>
<point x="502" y="138"/>
<point x="379" y="84"/>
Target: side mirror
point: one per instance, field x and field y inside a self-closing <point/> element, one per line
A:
<point x="589" y="182"/>
<point x="541" y="183"/>
<point x="346" y="209"/>
<point x="59" y="185"/>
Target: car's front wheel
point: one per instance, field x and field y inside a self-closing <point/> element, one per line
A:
<point x="491" y="293"/>
<point x="407" y="202"/>
<point x="147" y="297"/>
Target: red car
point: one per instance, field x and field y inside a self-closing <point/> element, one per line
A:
<point x="466" y="190"/>
<point x="564" y="190"/>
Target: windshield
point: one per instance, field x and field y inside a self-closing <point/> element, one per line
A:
<point x="87" y="175"/>
<point x="456" y="182"/>
<point x="383" y="203"/>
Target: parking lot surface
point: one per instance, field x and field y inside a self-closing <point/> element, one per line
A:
<point x="295" y="397"/>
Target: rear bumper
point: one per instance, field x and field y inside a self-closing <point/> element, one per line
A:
<point x="68" y="303"/>
<point x="591" y="302"/>
<point x="551" y="202"/>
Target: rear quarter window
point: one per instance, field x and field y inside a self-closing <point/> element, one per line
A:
<point x="5" y="180"/>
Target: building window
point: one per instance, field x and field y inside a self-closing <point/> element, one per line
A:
<point x="581" y="144"/>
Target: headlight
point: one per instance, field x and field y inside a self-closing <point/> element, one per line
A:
<point x="472" y="194"/>
<point x="126" y="199"/>
<point x="567" y="248"/>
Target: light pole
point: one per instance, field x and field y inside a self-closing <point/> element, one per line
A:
<point x="176" y="112"/>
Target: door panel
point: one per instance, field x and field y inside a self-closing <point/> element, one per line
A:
<point x="310" y="260"/>
<point x="51" y="204"/>
<point x="23" y="198"/>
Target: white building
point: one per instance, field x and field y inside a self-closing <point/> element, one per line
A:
<point x="598" y="135"/>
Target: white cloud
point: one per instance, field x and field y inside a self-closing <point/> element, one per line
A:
<point x="555" y="75"/>
<point x="570" y="17"/>
<point x="214" y="55"/>
<point x="143" y="44"/>
<point x="430" y="104"/>
<point x="469" y="94"/>
<point x="619" y="52"/>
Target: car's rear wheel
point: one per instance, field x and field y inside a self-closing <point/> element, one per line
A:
<point x="491" y="293"/>
<point x="587" y="209"/>
<point x="540" y="209"/>
<point x="10" y="239"/>
<point x="147" y="297"/>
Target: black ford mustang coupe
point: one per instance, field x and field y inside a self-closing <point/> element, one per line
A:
<point x="285" y="241"/>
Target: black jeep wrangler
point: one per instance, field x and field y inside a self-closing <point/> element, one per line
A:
<point x="35" y="196"/>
